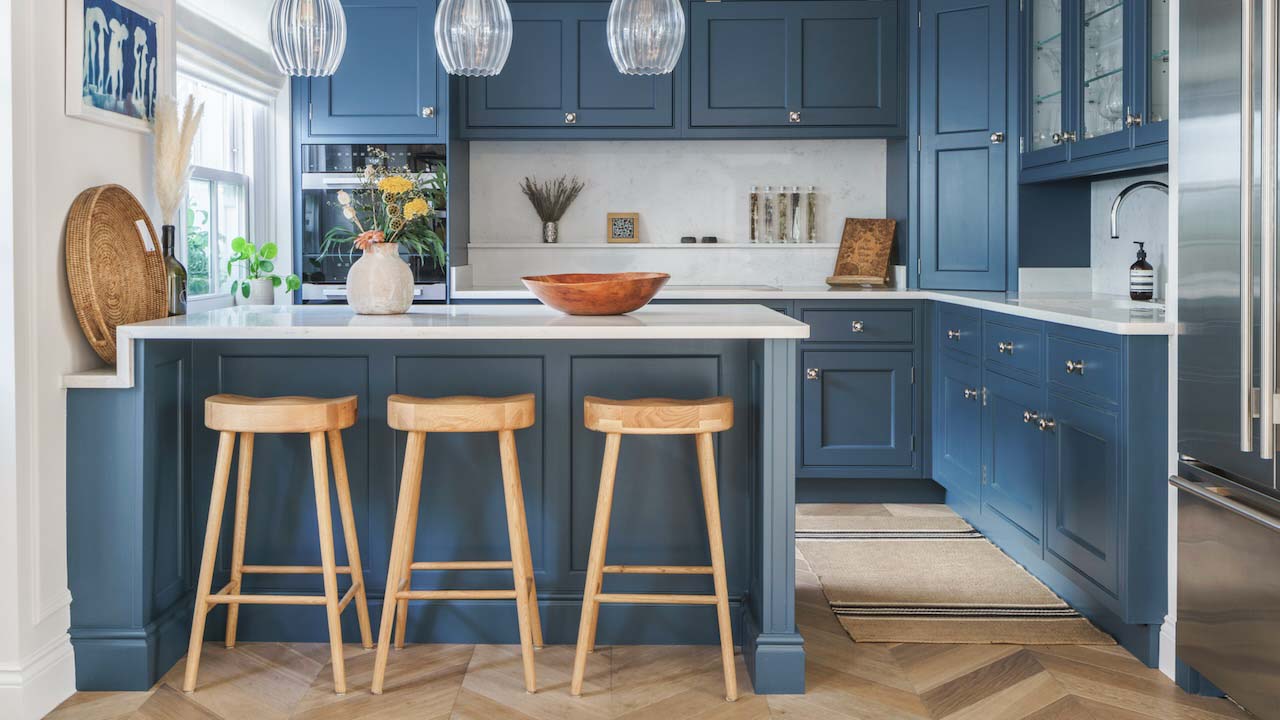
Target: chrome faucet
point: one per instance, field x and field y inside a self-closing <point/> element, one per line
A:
<point x="1125" y="193"/>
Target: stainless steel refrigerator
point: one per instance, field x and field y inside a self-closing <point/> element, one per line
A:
<point x="1228" y="609"/>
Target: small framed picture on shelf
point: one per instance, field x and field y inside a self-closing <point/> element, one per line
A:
<point x="623" y="227"/>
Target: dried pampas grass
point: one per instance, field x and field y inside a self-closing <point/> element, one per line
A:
<point x="174" y="138"/>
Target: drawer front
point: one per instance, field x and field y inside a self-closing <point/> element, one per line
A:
<point x="1014" y="347"/>
<point x="861" y="326"/>
<point x="1077" y="365"/>
<point x="959" y="329"/>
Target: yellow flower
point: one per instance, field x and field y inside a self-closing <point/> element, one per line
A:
<point x="395" y="185"/>
<point x="416" y="208"/>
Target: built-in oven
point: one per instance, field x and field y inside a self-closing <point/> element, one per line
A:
<point x="329" y="169"/>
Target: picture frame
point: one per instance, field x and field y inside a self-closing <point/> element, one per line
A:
<point x="119" y="60"/>
<point x="865" y="250"/>
<point x="623" y="227"/>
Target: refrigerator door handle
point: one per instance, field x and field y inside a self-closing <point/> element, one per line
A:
<point x="1267" y="355"/>
<point x="1225" y="502"/>
<point x="1246" y="227"/>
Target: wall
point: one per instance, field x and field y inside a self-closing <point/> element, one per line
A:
<point x="54" y="158"/>
<point x="1144" y="217"/>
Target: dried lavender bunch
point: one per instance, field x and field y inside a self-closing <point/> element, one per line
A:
<point x="551" y="199"/>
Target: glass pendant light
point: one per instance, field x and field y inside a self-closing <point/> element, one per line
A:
<point x="473" y="37"/>
<point x="646" y="36"/>
<point x="308" y="37"/>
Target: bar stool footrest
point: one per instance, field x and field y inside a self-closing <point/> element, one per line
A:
<point x="659" y="569"/>
<point x="456" y="595"/>
<point x="656" y="599"/>
<point x="291" y="570"/>
<point x="463" y="565"/>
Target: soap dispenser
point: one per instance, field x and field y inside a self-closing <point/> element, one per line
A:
<point x="1142" y="277"/>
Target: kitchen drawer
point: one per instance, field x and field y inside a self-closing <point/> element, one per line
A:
<point x="1013" y="346"/>
<point x="959" y="329"/>
<point x="861" y="326"/>
<point x="1081" y="364"/>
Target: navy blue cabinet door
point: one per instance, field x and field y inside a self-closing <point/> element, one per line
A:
<point x="560" y="75"/>
<point x="957" y="426"/>
<point x="807" y="63"/>
<point x="1014" y="452"/>
<point x="390" y="81"/>
<point x="1082" y="490"/>
<point x="964" y="150"/>
<point x="858" y="408"/>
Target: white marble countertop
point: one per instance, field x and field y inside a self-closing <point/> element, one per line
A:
<point x="455" y="322"/>
<point x="1115" y="314"/>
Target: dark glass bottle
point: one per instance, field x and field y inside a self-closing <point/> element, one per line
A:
<point x="174" y="272"/>
<point x="1142" y="277"/>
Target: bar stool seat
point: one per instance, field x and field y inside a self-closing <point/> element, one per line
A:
<point x="656" y="416"/>
<point x="460" y="414"/>
<point x="238" y="413"/>
<point x="240" y="417"/>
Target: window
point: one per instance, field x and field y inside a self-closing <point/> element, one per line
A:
<point x="227" y="158"/>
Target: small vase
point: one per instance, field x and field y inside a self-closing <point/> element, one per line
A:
<point x="380" y="283"/>
<point x="261" y="292"/>
<point x="551" y="232"/>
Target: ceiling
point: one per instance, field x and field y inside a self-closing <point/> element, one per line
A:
<point x="246" y="18"/>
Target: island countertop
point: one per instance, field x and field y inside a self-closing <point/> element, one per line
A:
<point x="436" y="322"/>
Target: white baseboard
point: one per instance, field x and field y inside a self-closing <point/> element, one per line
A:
<point x="1168" y="648"/>
<point x="40" y="683"/>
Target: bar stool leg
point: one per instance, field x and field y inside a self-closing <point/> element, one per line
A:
<point x="531" y="584"/>
<point x="519" y="569"/>
<point x="711" y="503"/>
<point x="410" y="545"/>
<point x="324" y="519"/>
<point x="241" y="529"/>
<point x="411" y="477"/>
<point x="343" y="486"/>
<point x="595" y="563"/>
<point x="217" y="501"/>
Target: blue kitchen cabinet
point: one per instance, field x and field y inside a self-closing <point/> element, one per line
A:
<point x="858" y="408"/>
<point x="962" y="235"/>
<point x="1095" y="87"/>
<point x="390" y="82"/>
<point x="957" y="426"/>
<point x="560" y="81"/>
<point x="828" y="67"/>
<point x="1013" y="491"/>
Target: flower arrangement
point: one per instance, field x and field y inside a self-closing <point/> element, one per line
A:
<point x="551" y="199"/>
<point x="392" y="205"/>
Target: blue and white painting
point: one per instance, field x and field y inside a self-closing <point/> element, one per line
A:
<point x="119" y="60"/>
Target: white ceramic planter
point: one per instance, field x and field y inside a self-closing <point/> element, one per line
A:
<point x="380" y="283"/>
<point x="261" y="292"/>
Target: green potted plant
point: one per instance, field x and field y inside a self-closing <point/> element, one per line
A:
<point x="259" y="282"/>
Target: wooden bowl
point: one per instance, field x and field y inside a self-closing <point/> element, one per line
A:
<point x="594" y="294"/>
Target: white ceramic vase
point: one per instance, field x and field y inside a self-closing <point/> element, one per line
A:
<point x="261" y="292"/>
<point x="380" y="283"/>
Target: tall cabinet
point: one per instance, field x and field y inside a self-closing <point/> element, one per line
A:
<point x="1095" y="86"/>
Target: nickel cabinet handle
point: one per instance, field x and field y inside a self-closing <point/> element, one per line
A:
<point x="571" y="118"/>
<point x="428" y="112"/>
<point x="1030" y="416"/>
<point x="997" y="138"/>
<point x="1047" y="425"/>
<point x="1005" y="348"/>
<point x="793" y="116"/>
<point x="953" y="334"/>
<point x="812" y="374"/>
<point x="1063" y="137"/>
<point x="970" y="394"/>
<point x="1131" y="120"/>
<point x="1075" y="366"/>
<point x="858" y="326"/>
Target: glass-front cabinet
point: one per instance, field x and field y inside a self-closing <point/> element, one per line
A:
<point x="1095" y="86"/>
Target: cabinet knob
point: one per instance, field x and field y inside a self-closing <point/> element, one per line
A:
<point x="428" y="112"/>
<point x="1047" y="425"/>
<point x="1005" y="348"/>
<point x="793" y="116"/>
<point x="953" y="334"/>
<point x="997" y="138"/>
<point x="1075" y="366"/>
<point x="1030" y="416"/>
<point x="1131" y="120"/>
<point x="1063" y="137"/>
<point x="970" y="393"/>
<point x="812" y="374"/>
<point x="571" y="118"/>
<point x="858" y="326"/>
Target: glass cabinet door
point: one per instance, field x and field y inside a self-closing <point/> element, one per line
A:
<point x="1150" y="117"/>
<point x="1046" y="83"/>
<point x="1102" y="84"/>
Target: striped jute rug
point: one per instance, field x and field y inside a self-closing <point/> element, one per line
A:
<point x="921" y="574"/>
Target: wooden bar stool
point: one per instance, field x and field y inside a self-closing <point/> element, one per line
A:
<point x="616" y="418"/>
<point x="233" y="415"/>
<point x="419" y="416"/>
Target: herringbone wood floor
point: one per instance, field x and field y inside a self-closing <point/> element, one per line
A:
<point x="845" y="681"/>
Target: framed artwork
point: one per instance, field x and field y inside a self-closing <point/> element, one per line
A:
<point x="624" y="227"/>
<point x="118" y="62"/>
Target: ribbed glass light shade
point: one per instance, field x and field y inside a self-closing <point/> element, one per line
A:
<point x="308" y="37"/>
<point x="646" y="36"/>
<point x="473" y="37"/>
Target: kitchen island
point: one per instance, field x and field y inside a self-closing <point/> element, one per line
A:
<point x="140" y="467"/>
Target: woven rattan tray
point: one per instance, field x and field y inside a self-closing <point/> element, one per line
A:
<point x="114" y="265"/>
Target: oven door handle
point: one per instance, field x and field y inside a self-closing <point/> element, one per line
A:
<point x="342" y="292"/>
